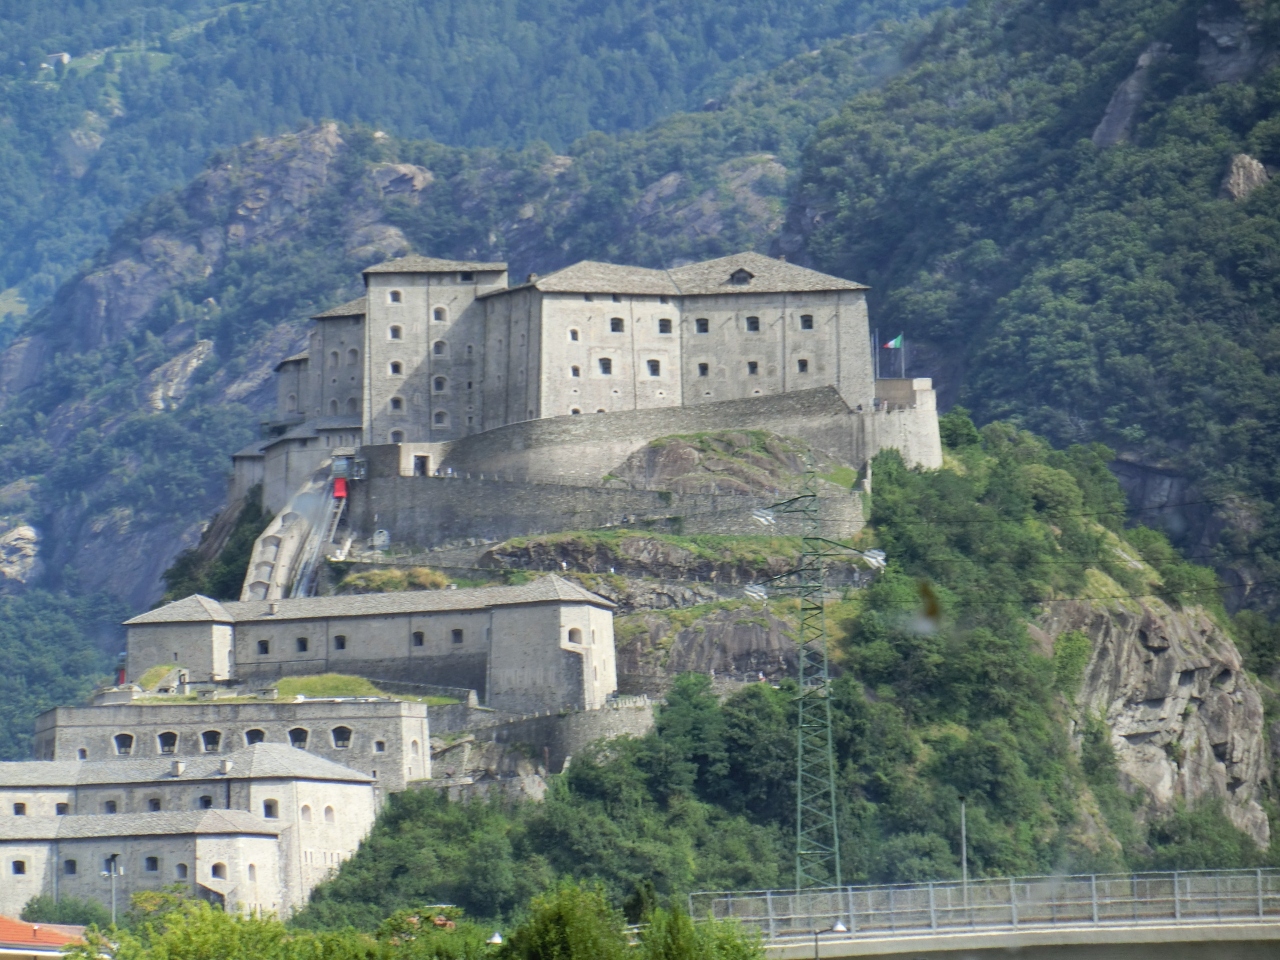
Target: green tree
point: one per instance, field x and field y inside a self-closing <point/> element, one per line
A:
<point x="572" y="922"/>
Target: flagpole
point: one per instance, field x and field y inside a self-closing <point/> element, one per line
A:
<point x="904" y="356"/>
<point x="876" y="346"/>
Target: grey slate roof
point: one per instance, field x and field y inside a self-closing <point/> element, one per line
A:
<point x="192" y="609"/>
<point x="770" y="276"/>
<point x="76" y="827"/>
<point x="262" y="761"/>
<point x="695" y="279"/>
<point x="417" y="264"/>
<point x="549" y="589"/>
<point x="294" y="359"/>
<point x="353" y="308"/>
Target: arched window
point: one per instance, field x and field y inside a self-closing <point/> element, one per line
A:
<point x="69" y="867"/>
<point x="655" y="368"/>
<point x="395" y="333"/>
<point x="340" y="642"/>
<point x="575" y="635"/>
<point x="298" y="738"/>
<point x="394" y="296"/>
<point x="575" y="371"/>
<point x="397" y="368"/>
<point x="397" y="436"/>
<point x="704" y="369"/>
<point x="806" y="322"/>
<point x="440" y="314"/>
<point x="291" y="405"/>
<point x="180" y="871"/>
<point x="305" y="813"/>
<point x="438" y="348"/>
<point x="253" y="873"/>
<point x="606" y="366"/>
<point x="353" y="405"/>
<point x="753" y="368"/>
<point x="702" y="325"/>
<point x="397" y="403"/>
<point x="419" y="638"/>
<point x="254" y="736"/>
<point x="753" y="324"/>
<point x="616" y="325"/>
<point x="333" y="358"/>
<point x="573" y="334"/>
<point x="333" y="408"/>
<point x="329" y="816"/>
<point x="82" y="754"/>
<point x="342" y="737"/>
<point x="439" y="384"/>
<point x="600" y="410"/>
<point x="575" y="411"/>
<point x="802" y="366"/>
<point x="205" y="802"/>
<point x="111" y="807"/>
<point x="413" y="748"/>
<point x="219" y="871"/>
<point x="271" y="809"/>
<point x="440" y="418"/>
<point x="664" y="325"/>
<point x="353" y="357"/>
<point x="124" y="744"/>
<point x="212" y="740"/>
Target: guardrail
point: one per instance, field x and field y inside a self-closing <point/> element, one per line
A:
<point x="1201" y="896"/>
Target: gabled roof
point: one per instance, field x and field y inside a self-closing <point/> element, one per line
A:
<point x="37" y="939"/>
<point x="177" y="823"/>
<point x="767" y="276"/>
<point x="261" y="761"/>
<point x="296" y="358"/>
<point x="192" y="609"/>
<point x="417" y="264"/>
<point x="548" y="589"/>
<point x="589" y="276"/>
<point x="352" y="308"/>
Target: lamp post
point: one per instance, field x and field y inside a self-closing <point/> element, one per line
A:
<point x="838" y="927"/>
<point x="111" y="873"/>
<point x="964" y="854"/>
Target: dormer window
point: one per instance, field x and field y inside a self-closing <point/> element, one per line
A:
<point x="394" y="297"/>
<point x="741" y="276"/>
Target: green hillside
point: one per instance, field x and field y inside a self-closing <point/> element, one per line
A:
<point x="152" y="89"/>
<point x="1096" y="292"/>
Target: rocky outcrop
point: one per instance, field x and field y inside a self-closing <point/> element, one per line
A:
<point x="168" y="383"/>
<point x="1117" y="123"/>
<point x="1186" y="722"/>
<point x="19" y="557"/>
<point x="470" y="769"/>
<point x="1244" y="175"/>
<point x="1231" y="45"/>
<point x="741" y="643"/>
<point x="719" y="463"/>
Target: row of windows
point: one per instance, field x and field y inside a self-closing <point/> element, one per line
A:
<point x="701" y="325"/>
<point x="456" y="635"/>
<point x="397" y="296"/>
<point x="211" y="740"/>
<point x="704" y="369"/>
<point x="71" y="868"/>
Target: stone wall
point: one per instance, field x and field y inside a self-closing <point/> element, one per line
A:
<point x="553" y="738"/>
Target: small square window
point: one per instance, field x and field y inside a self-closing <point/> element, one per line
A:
<point x="456" y="634"/>
<point x="419" y="638"/>
<point x="617" y="325"/>
<point x="806" y="322"/>
<point x="617" y="298"/>
<point x="702" y="325"/>
<point x="704" y="369"/>
<point x="153" y="805"/>
<point x="205" y="802"/>
<point x="270" y="809"/>
<point x="606" y="367"/>
<point x="264" y="647"/>
<point x="152" y="864"/>
<point x="379" y="746"/>
<point x="753" y="324"/>
<point x="394" y="296"/>
<point x="19" y="809"/>
<point x="803" y="366"/>
<point x="61" y="809"/>
<point x="69" y="867"/>
<point x="753" y="368"/>
<point x="466" y="276"/>
<point x="302" y="644"/>
<point x="664" y="326"/>
<point x="19" y="868"/>
<point x="339" y="642"/>
<point x="110" y="807"/>
<point x="655" y="368"/>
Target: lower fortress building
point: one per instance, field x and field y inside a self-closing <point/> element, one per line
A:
<point x="445" y="407"/>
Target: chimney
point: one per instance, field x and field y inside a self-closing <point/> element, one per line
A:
<point x="227" y="765"/>
<point x="178" y="766"/>
<point x="533" y="278"/>
<point x="273" y="608"/>
<point x="782" y="257"/>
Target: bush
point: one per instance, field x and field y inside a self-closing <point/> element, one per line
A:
<point x="43" y="909"/>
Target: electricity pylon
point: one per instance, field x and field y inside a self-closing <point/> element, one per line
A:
<point x="817" y="833"/>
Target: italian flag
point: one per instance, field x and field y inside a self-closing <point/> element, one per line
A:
<point x="895" y="343"/>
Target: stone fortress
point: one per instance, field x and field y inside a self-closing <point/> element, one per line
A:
<point x="443" y="406"/>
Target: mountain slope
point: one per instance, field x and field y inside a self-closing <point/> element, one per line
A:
<point x="1051" y="200"/>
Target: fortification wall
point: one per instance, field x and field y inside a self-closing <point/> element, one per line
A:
<point x="555" y="737"/>
<point x="427" y="512"/>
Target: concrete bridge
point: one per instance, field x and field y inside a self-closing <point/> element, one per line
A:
<point x="1218" y="914"/>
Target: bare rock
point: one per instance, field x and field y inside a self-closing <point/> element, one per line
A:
<point x="21" y="364"/>
<point x="168" y="383"/>
<point x="1230" y="44"/>
<point x="19" y="556"/>
<point x="1117" y="122"/>
<point x="1244" y="175"/>
<point x="401" y="179"/>
<point x="377" y="241"/>
<point x="1185" y="720"/>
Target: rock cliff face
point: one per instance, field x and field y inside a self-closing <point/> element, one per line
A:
<point x="1186" y="722"/>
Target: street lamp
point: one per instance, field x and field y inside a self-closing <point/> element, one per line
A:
<point x="964" y="854"/>
<point x="837" y="927"/>
<point x="113" y="870"/>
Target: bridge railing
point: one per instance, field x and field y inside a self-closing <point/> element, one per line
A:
<point x="1200" y="896"/>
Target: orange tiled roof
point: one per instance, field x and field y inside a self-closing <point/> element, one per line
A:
<point x="19" y="933"/>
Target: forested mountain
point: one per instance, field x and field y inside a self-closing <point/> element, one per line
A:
<point x="151" y="89"/>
